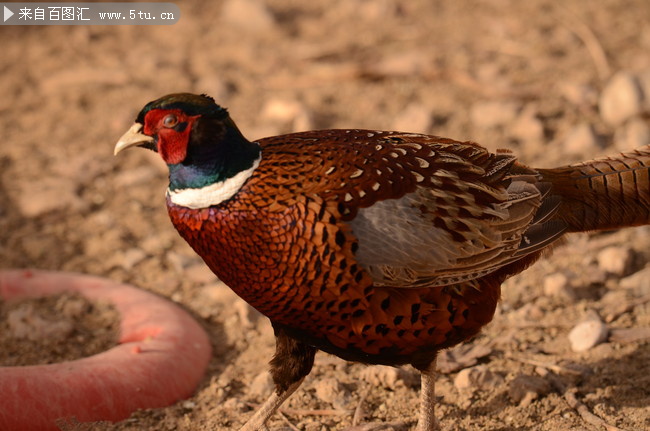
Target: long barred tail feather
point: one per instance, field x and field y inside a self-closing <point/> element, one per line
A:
<point x="608" y="193"/>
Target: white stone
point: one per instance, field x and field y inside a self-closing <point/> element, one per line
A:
<point x="620" y="99"/>
<point x="189" y="405"/>
<point x="582" y="140"/>
<point x="635" y="133"/>
<point x="250" y="15"/>
<point x="588" y="334"/>
<point x="615" y="259"/>
<point x="557" y="286"/>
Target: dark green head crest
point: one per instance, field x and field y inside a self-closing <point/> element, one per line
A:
<point x="191" y="104"/>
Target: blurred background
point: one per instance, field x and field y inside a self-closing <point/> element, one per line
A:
<point x="556" y="82"/>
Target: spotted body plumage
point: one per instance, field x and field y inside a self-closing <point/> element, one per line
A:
<point x="379" y="247"/>
<point x="287" y="246"/>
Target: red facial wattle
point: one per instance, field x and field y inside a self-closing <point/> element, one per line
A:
<point x="172" y="143"/>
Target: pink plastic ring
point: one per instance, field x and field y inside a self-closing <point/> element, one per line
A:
<point x="162" y="357"/>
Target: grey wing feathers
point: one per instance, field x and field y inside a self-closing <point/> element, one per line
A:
<point x="428" y="238"/>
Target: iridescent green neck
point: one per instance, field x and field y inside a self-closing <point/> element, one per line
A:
<point x="212" y="157"/>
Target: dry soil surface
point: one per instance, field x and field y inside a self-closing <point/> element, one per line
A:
<point x="555" y="82"/>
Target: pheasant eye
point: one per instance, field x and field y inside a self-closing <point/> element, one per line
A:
<point x="170" y="120"/>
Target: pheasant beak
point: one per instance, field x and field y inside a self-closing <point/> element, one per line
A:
<point x="133" y="137"/>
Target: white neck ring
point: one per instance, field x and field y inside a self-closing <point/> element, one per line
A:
<point x="212" y="194"/>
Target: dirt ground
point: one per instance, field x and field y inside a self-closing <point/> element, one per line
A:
<point x="529" y="76"/>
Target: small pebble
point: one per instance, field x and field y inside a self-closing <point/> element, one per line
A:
<point x="582" y="140"/>
<point x="527" y="127"/>
<point x="290" y="113"/>
<point x="462" y="356"/>
<point x="414" y="118"/>
<point x="479" y="377"/>
<point x="557" y="286"/>
<point x="331" y="391"/>
<point x="615" y="259"/>
<point x="388" y="377"/>
<point x="189" y="405"/>
<point x="249" y="15"/>
<point x="614" y="303"/>
<point x="493" y="113"/>
<point x="635" y="133"/>
<point x="525" y="388"/>
<point x="620" y="99"/>
<point x="587" y="334"/>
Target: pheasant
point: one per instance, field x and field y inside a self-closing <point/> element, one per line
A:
<point x="378" y="247"/>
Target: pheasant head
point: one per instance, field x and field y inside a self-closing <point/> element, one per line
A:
<point x="206" y="153"/>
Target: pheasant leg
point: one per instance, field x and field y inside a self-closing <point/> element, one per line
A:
<point x="292" y="361"/>
<point x="268" y="409"/>
<point x="427" y="420"/>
